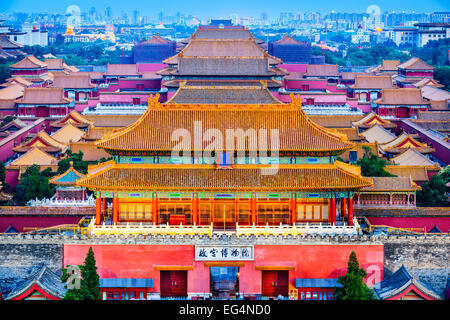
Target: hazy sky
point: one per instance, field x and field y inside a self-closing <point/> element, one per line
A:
<point x="223" y="8"/>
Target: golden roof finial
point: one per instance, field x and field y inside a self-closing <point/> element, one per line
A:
<point x="71" y="164"/>
<point x="296" y="100"/>
<point x="153" y="100"/>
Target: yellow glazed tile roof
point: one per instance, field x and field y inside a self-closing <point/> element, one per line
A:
<point x="417" y="173"/>
<point x="74" y="118"/>
<point x="154" y="130"/>
<point x="43" y="141"/>
<point x="69" y="133"/>
<point x="403" y="142"/>
<point x="34" y="156"/>
<point x="371" y="119"/>
<point x="377" y="133"/>
<point x="412" y="157"/>
<point x="208" y="178"/>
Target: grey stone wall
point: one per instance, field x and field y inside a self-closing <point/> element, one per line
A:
<point x="19" y="260"/>
<point x="425" y="256"/>
<point x="428" y="260"/>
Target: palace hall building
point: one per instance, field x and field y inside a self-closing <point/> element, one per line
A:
<point x="146" y="183"/>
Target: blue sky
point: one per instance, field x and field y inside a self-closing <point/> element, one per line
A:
<point x="216" y="8"/>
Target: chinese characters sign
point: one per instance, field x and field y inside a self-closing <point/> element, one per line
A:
<point x="223" y="253"/>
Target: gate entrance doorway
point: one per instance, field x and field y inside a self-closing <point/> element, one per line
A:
<point x="275" y="283"/>
<point x="224" y="282"/>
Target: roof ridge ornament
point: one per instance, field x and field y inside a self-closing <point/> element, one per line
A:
<point x="153" y="100"/>
<point x="296" y="100"/>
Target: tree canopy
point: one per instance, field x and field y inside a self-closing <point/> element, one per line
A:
<point x="34" y="184"/>
<point x="88" y="284"/>
<point x="353" y="286"/>
<point x="76" y="159"/>
<point x="372" y="165"/>
<point x="433" y="191"/>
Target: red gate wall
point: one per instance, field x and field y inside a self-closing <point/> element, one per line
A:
<point x="309" y="261"/>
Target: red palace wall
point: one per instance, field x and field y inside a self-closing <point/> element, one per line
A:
<point x="309" y="261"/>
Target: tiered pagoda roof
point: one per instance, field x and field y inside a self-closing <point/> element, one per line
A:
<point x="428" y="82"/>
<point x="73" y="81"/>
<point x="392" y="183"/>
<point x="29" y="62"/>
<point x="223" y="94"/>
<point x="404" y="142"/>
<point x="287" y="40"/>
<point x="418" y="173"/>
<point x="68" y="133"/>
<point x="223" y="57"/>
<point x="153" y="131"/>
<point x="372" y="82"/>
<point x="11" y="92"/>
<point x="34" y="156"/>
<point x="222" y="52"/>
<point x="43" y="141"/>
<point x="45" y="281"/>
<point x="389" y="65"/>
<point x="412" y="157"/>
<point x="221" y="82"/>
<point x="155" y="39"/>
<point x="54" y="63"/>
<point x="209" y="32"/>
<point x="401" y="96"/>
<point x="74" y="118"/>
<point x="20" y="81"/>
<point x="208" y="178"/>
<point x="8" y="44"/>
<point x="372" y="119"/>
<point x="415" y="64"/>
<point x="15" y="124"/>
<point x="402" y="282"/>
<point x="68" y="178"/>
<point x="378" y="134"/>
<point x="44" y="96"/>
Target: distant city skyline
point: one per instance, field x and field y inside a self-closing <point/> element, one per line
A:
<point x="216" y="9"/>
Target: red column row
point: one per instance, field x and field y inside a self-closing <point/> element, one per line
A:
<point x="346" y="210"/>
<point x="101" y="210"/>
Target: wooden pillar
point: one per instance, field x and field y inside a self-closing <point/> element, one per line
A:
<point x="343" y="205"/>
<point x="98" y="211"/>
<point x="350" y="211"/>
<point x="236" y="210"/>
<point x="115" y="210"/>
<point x="253" y="209"/>
<point x="211" y="211"/>
<point x="333" y="211"/>
<point x="293" y="210"/>
<point x="195" y="209"/>
<point x="155" y="209"/>
<point x="105" y="207"/>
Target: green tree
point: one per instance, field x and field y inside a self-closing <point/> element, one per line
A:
<point x="353" y="286"/>
<point x="34" y="184"/>
<point x="442" y="74"/>
<point x="3" y="184"/>
<point x="432" y="193"/>
<point x="89" y="282"/>
<point x="76" y="159"/>
<point x="372" y="165"/>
